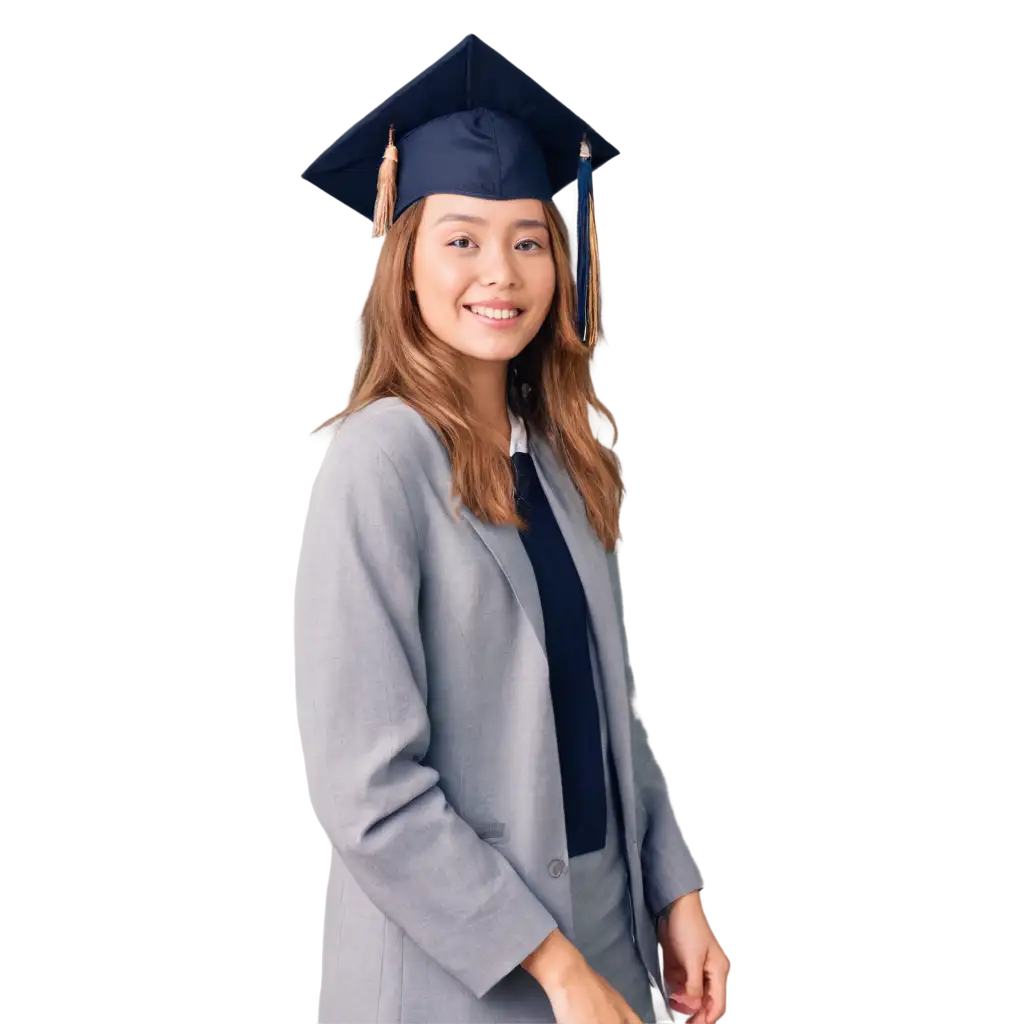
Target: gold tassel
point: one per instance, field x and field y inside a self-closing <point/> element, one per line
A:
<point x="387" y="188"/>
<point x="593" y="279"/>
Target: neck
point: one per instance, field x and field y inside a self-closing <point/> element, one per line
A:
<point x="488" y="383"/>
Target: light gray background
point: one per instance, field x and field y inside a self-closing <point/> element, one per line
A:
<point x="811" y="246"/>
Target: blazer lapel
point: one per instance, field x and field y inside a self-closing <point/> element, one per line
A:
<point x="509" y="552"/>
<point x="591" y="562"/>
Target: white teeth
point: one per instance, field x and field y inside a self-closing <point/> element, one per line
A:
<point x="495" y="314"/>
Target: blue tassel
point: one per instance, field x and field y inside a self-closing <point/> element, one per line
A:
<point x="585" y="190"/>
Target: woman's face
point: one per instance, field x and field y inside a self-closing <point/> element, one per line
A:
<point x="489" y="253"/>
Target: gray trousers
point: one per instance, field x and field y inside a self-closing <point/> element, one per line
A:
<point x="600" y="898"/>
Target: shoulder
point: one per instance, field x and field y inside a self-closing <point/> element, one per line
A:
<point x="377" y="454"/>
<point x="385" y="427"/>
<point x="359" y="506"/>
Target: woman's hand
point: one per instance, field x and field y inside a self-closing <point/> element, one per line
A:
<point x="695" y="966"/>
<point x="578" y="994"/>
<point x="582" y="996"/>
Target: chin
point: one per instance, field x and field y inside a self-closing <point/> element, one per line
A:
<point x="501" y="346"/>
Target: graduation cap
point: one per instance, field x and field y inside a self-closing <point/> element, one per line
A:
<point x="472" y="124"/>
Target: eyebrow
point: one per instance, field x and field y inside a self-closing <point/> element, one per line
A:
<point x="523" y="223"/>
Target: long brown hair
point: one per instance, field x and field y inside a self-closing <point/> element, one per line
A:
<point x="549" y="385"/>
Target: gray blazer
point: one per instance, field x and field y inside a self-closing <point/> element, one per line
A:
<point x="429" y="741"/>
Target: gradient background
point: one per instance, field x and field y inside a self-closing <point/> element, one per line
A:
<point x="819" y="414"/>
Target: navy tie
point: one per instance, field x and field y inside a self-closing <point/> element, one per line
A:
<point x="564" y="604"/>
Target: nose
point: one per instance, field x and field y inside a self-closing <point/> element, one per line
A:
<point x="498" y="268"/>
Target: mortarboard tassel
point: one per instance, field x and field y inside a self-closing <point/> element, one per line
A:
<point x="387" y="188"/>
<point x="588" y="266"/>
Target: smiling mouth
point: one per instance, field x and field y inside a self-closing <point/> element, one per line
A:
<point x="510" y="314"/>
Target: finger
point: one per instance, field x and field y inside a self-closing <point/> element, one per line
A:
<point x="675" y="985"/>
<point x="675" y="977"/>
<point x="679" y="1015"/>
<point x="682" y="1003"/>
<point x="714" y="1011"/>
<point x="716" y="977"/>
<point x="693" y="989"/>
<point x="677" y="991"/>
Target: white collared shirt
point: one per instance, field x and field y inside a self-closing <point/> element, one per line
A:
<point x="518" y="442"/>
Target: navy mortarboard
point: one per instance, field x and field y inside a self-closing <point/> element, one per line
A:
<point x="472" y="124"/>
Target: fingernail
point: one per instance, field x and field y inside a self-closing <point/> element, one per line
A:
<point x="681" y="999"/>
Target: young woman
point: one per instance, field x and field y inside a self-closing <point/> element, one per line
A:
<point x="502" y="836"/>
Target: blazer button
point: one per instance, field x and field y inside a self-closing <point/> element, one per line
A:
<point x="556" y="867"/>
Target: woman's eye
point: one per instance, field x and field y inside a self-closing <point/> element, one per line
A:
<point x="456" y="243"/>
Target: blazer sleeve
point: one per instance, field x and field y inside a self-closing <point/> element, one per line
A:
<point x="669" y="871"/>
<point x="361" y="693"/>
